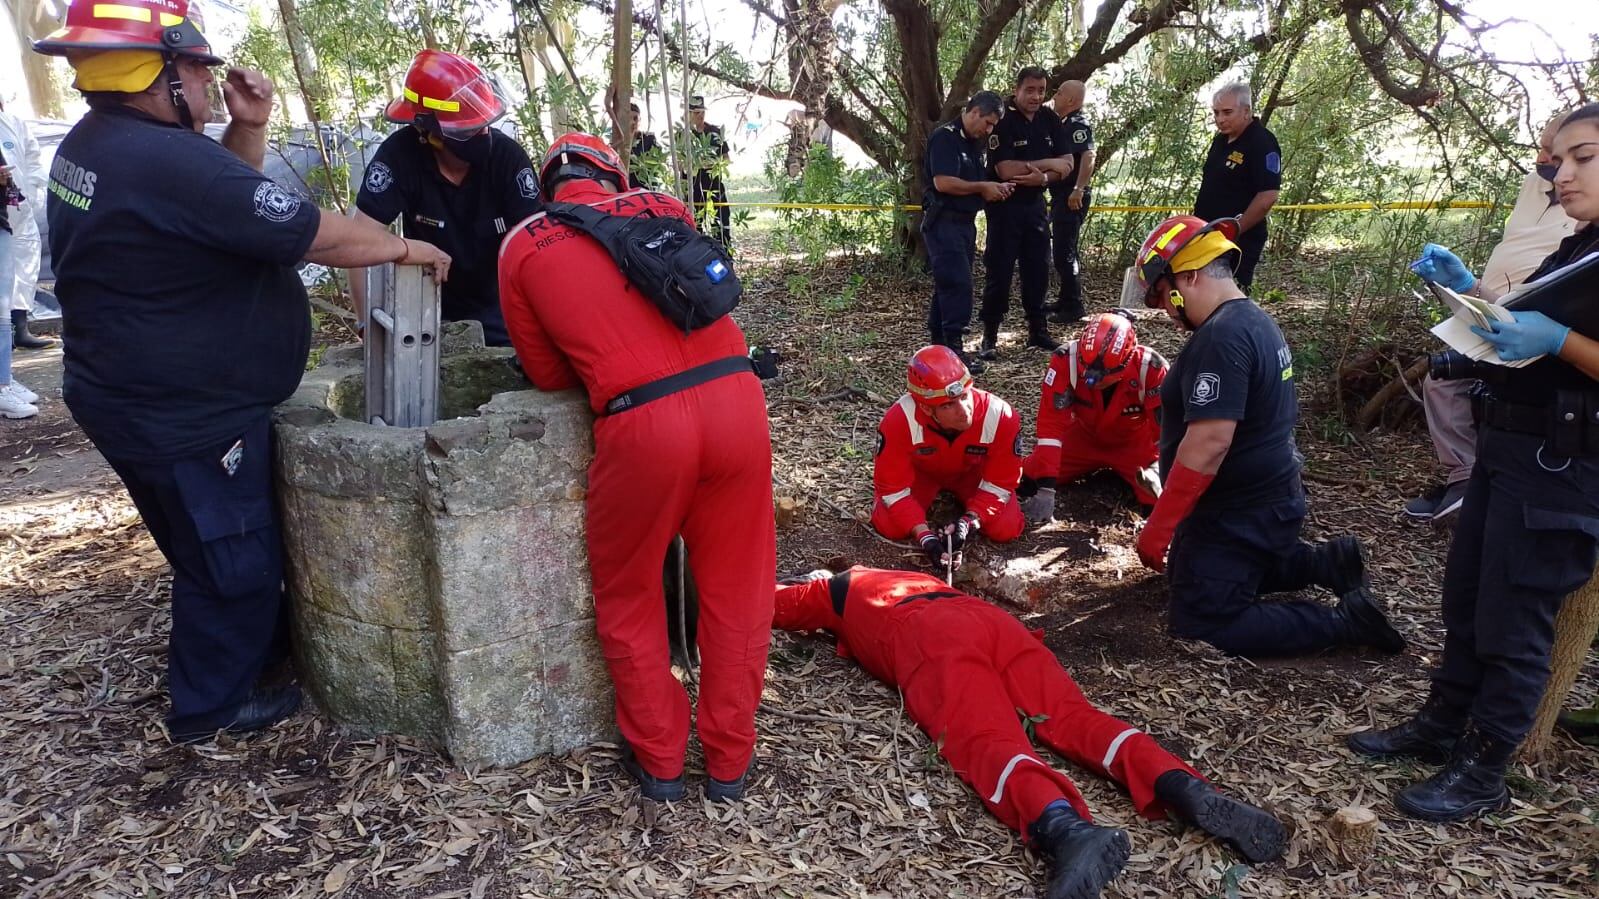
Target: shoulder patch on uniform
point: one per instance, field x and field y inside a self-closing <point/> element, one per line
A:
<point x="527" y="185"/>
<point x="1207" y="389"/>
<point x="993" y="141"/>
<point x="1274" y="163"/>
<point x="1080" y="136"/>
<point x="378" y="177"/>
<point x="275" y="204"/>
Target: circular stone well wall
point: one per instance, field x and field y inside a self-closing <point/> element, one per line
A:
<point x="439" y="574"/>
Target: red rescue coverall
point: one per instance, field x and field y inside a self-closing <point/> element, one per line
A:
<point x="965" y="667"/>
<point x="981" y="466"/>
<point x="1083" y="429"/>
<point x="697" y="462"/>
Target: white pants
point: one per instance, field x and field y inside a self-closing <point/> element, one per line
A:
<point x="18" y="289"/>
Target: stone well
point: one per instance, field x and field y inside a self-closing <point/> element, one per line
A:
<point x="439" y="574"/>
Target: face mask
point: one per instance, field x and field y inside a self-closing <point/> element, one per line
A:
<point x="474" y="151"/>
<point x="1547" y="171"/>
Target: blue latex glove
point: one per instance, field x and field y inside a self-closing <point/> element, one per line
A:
<point x="1440" y="266"/>
<point x="1531" y="334"/>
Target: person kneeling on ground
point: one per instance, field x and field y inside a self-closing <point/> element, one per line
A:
<point x="967" y="669"/>
<point x="1233" y="505"/>
<point x="945" y="434"/>
<point x="1100" y="408"/>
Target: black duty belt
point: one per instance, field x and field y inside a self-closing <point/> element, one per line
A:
<point x="1517" y="417"/>
<point x="1569" y="425"/>
<point x="681" y="381"/>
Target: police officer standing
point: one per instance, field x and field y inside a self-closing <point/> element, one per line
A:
<point x="1528" y="532"/>
<point x="1069" y="200"/>
<point x="1232" y="505"/>
<point x="1243" y="173"/>
<point x="452" y="181"/>
<point x="1027" y="149"/>
<point x="956" y="190"/>
<point x="185" y="323"/>
<point x="710" y="151"/>
<point x="644" y="159"/>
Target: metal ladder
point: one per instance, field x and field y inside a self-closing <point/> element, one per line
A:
<point x="402" y="346"/>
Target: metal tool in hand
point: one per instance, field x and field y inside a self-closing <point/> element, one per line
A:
<point x="951" y="560"/>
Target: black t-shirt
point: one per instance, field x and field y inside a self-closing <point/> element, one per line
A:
<point x="1079" y="139"/>
<point x="646" y="149"/>
<point x="950" y="152"/>
<point x="1238" y="170"/>
<point x="1237" y="367"/>
<point x="183" y="315"/>
<point x="1016" y="138"/>
<point x="466" y="221"/>
<point x="1536" y="384"/>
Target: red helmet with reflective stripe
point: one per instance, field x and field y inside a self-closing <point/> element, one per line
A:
<point x="579" y="155"/>
<point x="937" y="376"/>
<point x="160" y="25"/>
<point x="1107" y="345"/>
<point x="450" y="91"/>
<point x="1204" y="241"/>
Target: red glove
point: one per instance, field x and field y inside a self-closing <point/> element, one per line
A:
<point x="1182" y="491"/>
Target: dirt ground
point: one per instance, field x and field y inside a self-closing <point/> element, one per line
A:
<point x="850" y="800"/>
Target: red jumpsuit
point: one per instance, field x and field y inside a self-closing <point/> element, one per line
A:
<point x="965" y="668"/>
<point x="1083" y="429"/>
<point x="915" y="460"/>
<point x="697" y="463"/>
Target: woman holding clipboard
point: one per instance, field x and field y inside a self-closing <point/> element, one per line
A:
<point x="1529" y="529"/>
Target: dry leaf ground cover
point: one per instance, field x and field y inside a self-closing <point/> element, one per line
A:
<point x="850" y="800"/>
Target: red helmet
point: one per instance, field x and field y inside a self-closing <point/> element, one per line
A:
<point x="937" y="376"/>
<point x="1203" y="241"/>
<point x="160" y="25"/>
<point x="579" y="155"/>
<point x="448" y="92"/>
<point x="1107" y="345"/>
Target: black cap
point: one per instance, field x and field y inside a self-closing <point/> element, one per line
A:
<point x="696" y="102"/>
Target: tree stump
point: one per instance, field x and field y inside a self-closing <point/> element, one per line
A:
<point x="1354" y="833"/>
<point x="786" y="508"/>
<point x="1574" y="632"/>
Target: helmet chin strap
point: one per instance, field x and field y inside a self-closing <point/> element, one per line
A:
<point x="175" y="92"/>
<point x="1177" y="302"/>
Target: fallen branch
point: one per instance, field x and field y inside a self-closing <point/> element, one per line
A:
<point x="1371" y="413"/>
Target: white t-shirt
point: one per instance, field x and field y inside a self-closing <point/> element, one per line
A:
<point x="1532" y="232"/>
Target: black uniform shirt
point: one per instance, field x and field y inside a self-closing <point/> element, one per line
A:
<point x="466" y="221"/>
<point x="184" y="318"/>
<point x="1536" y="384"/>
<point x="1018" y="139"/>
<point x="644" y="145"/>
<point x="1078" y="135"/>
<point x="1235" y="171"/>
<point x="710" y="145"/>
<point x="950" y="152"/>
<point x="1237" y="367"/>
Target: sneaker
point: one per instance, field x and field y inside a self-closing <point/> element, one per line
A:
<point x="12" y="406"/>
<point x="22" y="393"/>
<point x="1423" y="507"/>
<point x="1453" y="498"/>
<point x="659" y="789"/>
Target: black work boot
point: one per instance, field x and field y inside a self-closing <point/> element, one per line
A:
<point x="21" y="337"/>
<point x="1430" y="736"/>
<point x="955" y="341"/>
<point x="990" y="348"/>
<point x="1068" y="312"/>
<point x="1343" y="565"/>
<point x="728" y="790"/>
<point x="1038" y="336"/>
<point x="1251" y="832"/>
<point x="1472" y="783"/>
<point x="263" y="708"/>
<point x="1366" y="625"/>
<point x="658" y="789"/>
<point x="1083" y="857"/>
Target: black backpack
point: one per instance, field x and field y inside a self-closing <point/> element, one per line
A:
<point x="686" y="274"/>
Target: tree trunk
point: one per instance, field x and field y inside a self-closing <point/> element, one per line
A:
<point x="1575" y="628"/>
<point x="30" y="19"/>
<point x="622" y="80"/>
<point x="812" y="61"/>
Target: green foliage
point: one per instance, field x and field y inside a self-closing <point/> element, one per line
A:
<point x="826" y="179"/>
